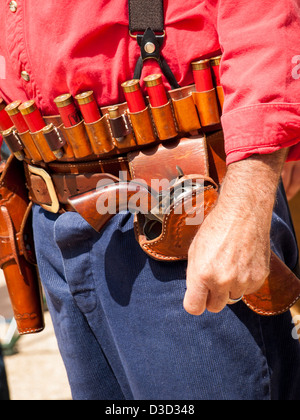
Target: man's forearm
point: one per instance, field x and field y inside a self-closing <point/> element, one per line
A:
<point x="251" y="184"/>
<point x="230" y="255"/>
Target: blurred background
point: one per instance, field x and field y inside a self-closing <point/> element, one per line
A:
<point x="34" y="368"/>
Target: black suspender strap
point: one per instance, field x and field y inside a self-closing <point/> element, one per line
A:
<point x="145" y="14"/>
<point x="146" y="25"/>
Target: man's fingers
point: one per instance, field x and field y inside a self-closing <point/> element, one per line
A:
<point x="217" y="301"/>
<point x="206" y="292"/>
<point x="195" y="298"/>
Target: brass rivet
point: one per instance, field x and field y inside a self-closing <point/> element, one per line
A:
<point x="150" y="48"/>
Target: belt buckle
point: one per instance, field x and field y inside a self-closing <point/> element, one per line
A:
<point x="54" y="207"/>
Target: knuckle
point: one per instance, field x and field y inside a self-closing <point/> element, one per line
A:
<point x="261" y="275"/>
<point x="205" y="274"/>
<point x="225" y="280"/>
<point x="206" y="277"/>
<point x="256" y="281"/>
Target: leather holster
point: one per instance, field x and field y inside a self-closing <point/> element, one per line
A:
<point x="17" y="256"/>
<point x="190" y="157"/>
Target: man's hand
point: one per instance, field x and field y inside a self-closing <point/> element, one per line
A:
<point x="230" y="255"/>
<point x="291" y="179"/>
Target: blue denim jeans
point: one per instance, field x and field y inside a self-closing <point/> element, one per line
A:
<point x="124" y="335"/>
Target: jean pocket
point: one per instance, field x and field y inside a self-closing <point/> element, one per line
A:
<point x="74" y="239"/>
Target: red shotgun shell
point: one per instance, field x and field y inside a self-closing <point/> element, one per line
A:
<point x="17" y="118"/>
<point x="156" y="90"/>
<point x="32" y="116"/>
<point x="88" y="107"/>
<point x="202" y="75"/>
<point x="215" y="65"/>
<point x="67" y="110"/>
<point x="134" y="97"/>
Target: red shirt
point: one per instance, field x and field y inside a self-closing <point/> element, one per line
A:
<point x="73" y="46"/>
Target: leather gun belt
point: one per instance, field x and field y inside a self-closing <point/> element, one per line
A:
<point x="50" y="186"/>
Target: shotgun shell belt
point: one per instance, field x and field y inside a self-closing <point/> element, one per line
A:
<point x="118" y="131"/>
<point x="83" y="131"/>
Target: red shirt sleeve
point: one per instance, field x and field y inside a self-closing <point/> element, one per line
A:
<point x="260" y="40"/>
